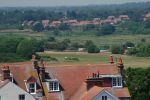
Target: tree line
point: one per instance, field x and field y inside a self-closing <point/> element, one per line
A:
<point x="13" y="17"/>
<point x="14" y="48"/>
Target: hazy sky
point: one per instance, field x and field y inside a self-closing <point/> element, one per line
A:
<point x="61" y="2"/>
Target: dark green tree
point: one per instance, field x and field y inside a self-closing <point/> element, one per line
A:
<point x="106" y="29"/>
<point x="38" y="27"/>
<point x="93" y="49"/>
<point x="117" y="49"/>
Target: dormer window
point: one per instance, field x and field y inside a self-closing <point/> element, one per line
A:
<point x="117" y="81"/>
<point x="32" y="88"/>
<point x="31" y="85"/>
<point x="53" y="85"/>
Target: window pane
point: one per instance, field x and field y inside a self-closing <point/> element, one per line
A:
<point x="22" y="97"/>
<point x="50" y="85"/>
<point x="119" y="82"/>
<point x="103" y="98"/>
<point x="55" y="85"/>
<point x="32" y="87"/>
<point x="114" y="81"/>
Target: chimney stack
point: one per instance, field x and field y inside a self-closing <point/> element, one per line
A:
<point x="42" y="70"/>
<point x="120" y="65"/>
<point x="6" y="72"/>
<point x="35" y="62"/>
<point x="111" y="59"/>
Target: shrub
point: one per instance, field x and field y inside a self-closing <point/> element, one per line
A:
<point x="106" y="29"/>
<point x="117" y="49"/>
<point x="48" y="58"/>
<point x="71" y="59"/>
<point x="27" y="47"/>
<point x="128" y="44"/>
<point x="93" y="49"/>
<point x="10" y="57"/>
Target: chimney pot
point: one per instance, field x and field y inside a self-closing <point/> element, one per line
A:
<point x="111" y="59"/>
<point x="33" y="57"/>
<point x="42" y="64"/>
<point x="120" y="65"/>
<point x="120" y="61"/>
<point x="6" y="72"/>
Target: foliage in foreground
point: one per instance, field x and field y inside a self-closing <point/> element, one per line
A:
<point x="138" y="81"/>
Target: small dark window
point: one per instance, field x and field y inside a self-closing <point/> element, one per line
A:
<point x="104" y="97"/>
<point x="21" y="97"/>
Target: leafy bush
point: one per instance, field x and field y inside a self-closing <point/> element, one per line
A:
<point x="106" y="29"/>
<point x="93" y="49"/>
<point x="27" y="47"/>
<point x="128" y="44"/>
<point x="141" y="50"/>
<point x="11" y="57"/>
<point x="9" y="44"/>
<point x="71" y="59"/>
<point x="48" y="58"/>
<point x="132" y="51"/>
<point x="38" y="27"/>
<point x="117" y="49"/>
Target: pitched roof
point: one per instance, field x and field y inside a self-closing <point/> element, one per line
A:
<point x="31" y="79"/>
<point x="84" y="94"/>
<point x="3" y="83"/>
<point x="71" y="78"/>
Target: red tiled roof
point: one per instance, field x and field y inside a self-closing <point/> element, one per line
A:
<point x="122" y="92"/>
<point x="31" y="79"/>
<point x="71" y="78"/>
<point x="91" y="93"/>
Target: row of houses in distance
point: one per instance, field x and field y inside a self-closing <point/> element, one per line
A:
<point x="146" y="17"/>
<point x="75" y="22"/>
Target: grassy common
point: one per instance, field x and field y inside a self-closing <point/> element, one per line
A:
<point x="85" y="58"/>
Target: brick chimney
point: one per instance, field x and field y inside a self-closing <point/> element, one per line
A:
<point x="120" y="65"/>
<point x="6" y="72"/>
<point x="35" y="62"/>
<point x="111" y="59"/>
<point x="42" y="70"/>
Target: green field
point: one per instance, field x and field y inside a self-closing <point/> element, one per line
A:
<point x="85" y="58"/>
<point x="98" y="40"/>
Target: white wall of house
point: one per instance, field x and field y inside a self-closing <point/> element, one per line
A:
<point x="104" y="93"/>
<point x="11" y="92"/>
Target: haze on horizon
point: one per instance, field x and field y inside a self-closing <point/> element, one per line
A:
<point x="52" y="3"/>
